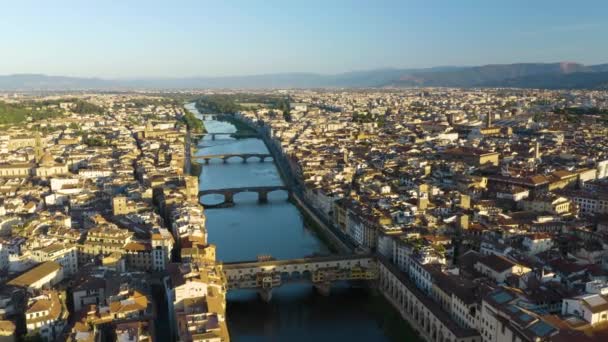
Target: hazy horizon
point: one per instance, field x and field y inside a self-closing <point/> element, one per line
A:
<point x="144" y="77"/>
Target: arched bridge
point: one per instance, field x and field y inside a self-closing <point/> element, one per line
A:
<point x="230" y="192"/>
<point x="237" y="135"/>
<point x="262" y="157"/>
<point x="320" y="271"/>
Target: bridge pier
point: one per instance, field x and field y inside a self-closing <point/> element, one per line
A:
<point x="207" y="161"/>
<point x="323" y="288"/>
<point x="212" y="136"/>
<point x="225" y="159"/>
<point x="265" y="294"/>
<point x="244" y="159"/>
<point x="262" y="196"/>
<point x="229" y="198"/>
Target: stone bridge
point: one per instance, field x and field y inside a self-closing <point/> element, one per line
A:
<point x="320" y="271"/>
<point x="262" y="157"/>
<point x="230" y="134"/>
<point x="230" y="192"/>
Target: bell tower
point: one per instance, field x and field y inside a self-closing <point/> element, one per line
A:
<point x="38" y="148"/>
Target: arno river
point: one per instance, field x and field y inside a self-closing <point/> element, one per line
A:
<point x="296" y="312"/>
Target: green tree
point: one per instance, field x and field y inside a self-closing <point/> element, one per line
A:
<point x="32" y="337"/>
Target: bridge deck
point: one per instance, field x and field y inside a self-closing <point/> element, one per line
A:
<point x="252" y="134"/>
<point x="243" y="189"/>
<point x="229" y="155"/>
<point x="299" y="261"/>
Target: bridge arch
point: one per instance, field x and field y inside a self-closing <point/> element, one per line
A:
<point x="229" y="193"/>
<point x="227" y="158"/>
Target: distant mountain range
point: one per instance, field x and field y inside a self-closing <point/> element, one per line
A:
<point x="563" y="75"/>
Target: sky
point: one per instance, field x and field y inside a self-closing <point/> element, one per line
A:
<point x="147" y="38"/>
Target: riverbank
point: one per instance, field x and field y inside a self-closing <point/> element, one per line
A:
<point x="397" y="325"/>
<point x="285" y="230"/>
<point x="323" y="229"/>
<point x="325" y="234"/>
<point x="242" y="128"/>
<point x="193" y="123"/>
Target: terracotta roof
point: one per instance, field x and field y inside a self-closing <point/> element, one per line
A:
<point x="51" y="303"/>
<point x="35" y="274"/>
<point x="497" y="263"/>
<point x="7" y="328"/>
<point x="135" y="302"/>
<point x="137" y="246"/>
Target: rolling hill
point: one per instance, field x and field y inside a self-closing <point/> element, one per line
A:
<point x="562" y="75"/>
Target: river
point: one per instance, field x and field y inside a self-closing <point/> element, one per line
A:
<point x="248" y="229"/>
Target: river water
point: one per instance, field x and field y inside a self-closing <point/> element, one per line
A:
<point x="247" y="230"/>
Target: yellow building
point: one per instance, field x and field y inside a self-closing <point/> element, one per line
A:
<point x="122" y="206"/>
<point x="561" y="179"/>
<point x="16" y="170"/>
<point x="104" y="240"/>
<point x="339" y="213"/>
<point x="555" y="205"/>
<point x="21" y="141"/>
<point x="472" y="156"/>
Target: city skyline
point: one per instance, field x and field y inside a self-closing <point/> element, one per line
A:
<point x="236" y="38"/>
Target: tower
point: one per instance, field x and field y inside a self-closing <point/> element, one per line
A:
<point x="423" y="196"/>
<point x="119" y="205"/>
<point x="489" y="120"/>
<point x="38" y="149"/>
<point x="451" y="119"/>
<point x="537" y="154"/>
<point x="465" y="201"/>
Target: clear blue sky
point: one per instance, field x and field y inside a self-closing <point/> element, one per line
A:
<point x="121" y="39"/>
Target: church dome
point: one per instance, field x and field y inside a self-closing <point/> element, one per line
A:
<point x="47" y="159"/>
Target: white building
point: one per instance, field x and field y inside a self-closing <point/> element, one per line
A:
<point x="45" y="275"/>
<point x="499" y="268"/>
<point x="503" y="321"/>
<point x="538" y="243"/>
<point x="65" y="255"/>
<point x="593" y="308"/>
<point x="590" y="202"/>
<point x="46" y="315"/>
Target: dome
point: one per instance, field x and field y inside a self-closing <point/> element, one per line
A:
<point x="47" y="159"/>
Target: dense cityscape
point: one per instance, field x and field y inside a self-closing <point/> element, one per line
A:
<point x="477" y="214"/>
<point x="304" y="171"/>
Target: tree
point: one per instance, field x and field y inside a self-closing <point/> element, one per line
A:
<point x="33" y="336"/>
<point x="83" y="107"/>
